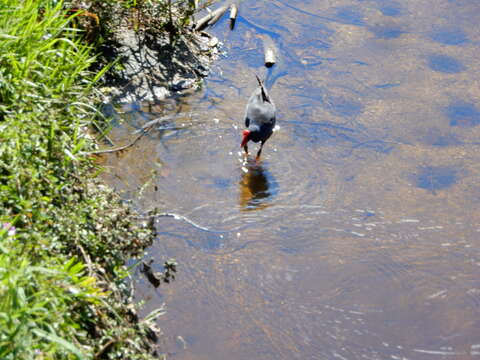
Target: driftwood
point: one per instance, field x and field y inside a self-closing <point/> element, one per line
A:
<point x="233" y="15"/>
<point x="211" y="18"/>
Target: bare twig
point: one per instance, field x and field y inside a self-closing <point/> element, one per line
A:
<point x="104" y="348"/>
<point x="87" y="260"/>
<point x="105" y="151"/>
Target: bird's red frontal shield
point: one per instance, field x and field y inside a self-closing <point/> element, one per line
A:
<point x="245" y="137"/>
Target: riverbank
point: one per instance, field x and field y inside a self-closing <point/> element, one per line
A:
<point x="65" y="236"/>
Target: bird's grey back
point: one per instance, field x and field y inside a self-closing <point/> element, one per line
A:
<point x="260" y="111"/>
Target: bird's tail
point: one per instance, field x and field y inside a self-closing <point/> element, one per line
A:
<point x="265" y="96"/>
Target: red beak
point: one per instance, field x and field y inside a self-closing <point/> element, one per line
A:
<point x="245" y="137"/>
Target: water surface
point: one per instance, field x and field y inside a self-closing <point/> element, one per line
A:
<point x="357" y="236"/>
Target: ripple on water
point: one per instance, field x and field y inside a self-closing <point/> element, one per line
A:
<point x="350" y="15"/>
<point x="463" y="114"/>
<point x="442" y="140"/>
<point x="341" y="106"/>
<point x="391" y="9"/>
<point x="387" y="32"/>
<point x="445" y="64"/>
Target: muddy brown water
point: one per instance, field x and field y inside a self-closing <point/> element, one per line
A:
<point x="357" y="236"/>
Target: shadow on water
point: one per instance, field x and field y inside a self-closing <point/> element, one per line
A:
<point x="450" y="36"/>
<point x="436" y="178"/>
<point x="445" y="64"/>
<point x="351" y="15"/>
<point x="387" y="32"/>
<point x="390" y="8"/>
<point x="463" y="114"/>
<point x="257" y="186"/>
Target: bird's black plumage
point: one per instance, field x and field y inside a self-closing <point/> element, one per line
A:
<point x="259" y="117"/>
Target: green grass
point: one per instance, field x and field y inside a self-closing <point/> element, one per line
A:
<point x="61" y="289"/>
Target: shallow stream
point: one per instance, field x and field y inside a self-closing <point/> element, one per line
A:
<point x="357" y="236"/>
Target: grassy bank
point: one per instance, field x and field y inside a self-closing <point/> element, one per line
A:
<point x="63" y="236"/>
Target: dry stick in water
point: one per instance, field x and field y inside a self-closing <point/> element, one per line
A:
<point x="269" y="49"/>
<point x="233" y="15"/>
<point x="269" y="57"/>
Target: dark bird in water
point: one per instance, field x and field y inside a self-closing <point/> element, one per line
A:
<point x="259" y="118"/>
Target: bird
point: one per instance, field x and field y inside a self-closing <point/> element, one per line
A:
<point x="260" y="118"/>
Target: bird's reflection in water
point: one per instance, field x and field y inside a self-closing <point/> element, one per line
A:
<point x="257" y="187"/>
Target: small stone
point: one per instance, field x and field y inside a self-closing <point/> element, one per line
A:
<point x="182" y="84"/>
<point x="202" y="70"/>
<point x="213" y="42"/>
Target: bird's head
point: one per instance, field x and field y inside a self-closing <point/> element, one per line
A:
<point x="246" y="137"/>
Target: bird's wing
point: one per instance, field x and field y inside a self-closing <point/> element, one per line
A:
<point x="247" y="121"/>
